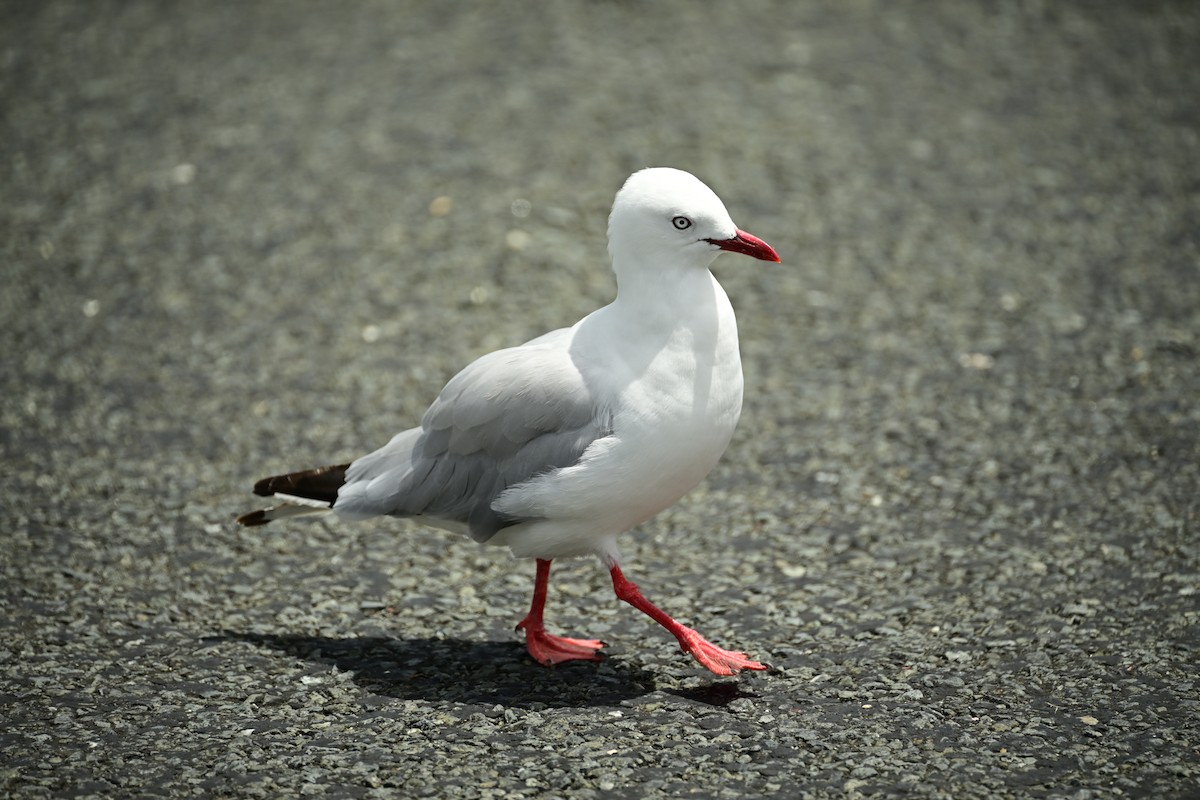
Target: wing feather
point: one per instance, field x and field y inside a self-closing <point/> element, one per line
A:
<point x="508" y="417"/>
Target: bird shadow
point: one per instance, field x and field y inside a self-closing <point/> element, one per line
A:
<point x="460" y="671"/>
<point x="718" y="694"/>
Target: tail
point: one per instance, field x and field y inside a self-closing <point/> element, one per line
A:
<point x="309" y="491"/>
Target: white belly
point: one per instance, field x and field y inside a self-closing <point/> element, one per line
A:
<point x="673" y="420"/>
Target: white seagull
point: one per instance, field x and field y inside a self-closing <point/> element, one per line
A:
<point x="556" y="447"/>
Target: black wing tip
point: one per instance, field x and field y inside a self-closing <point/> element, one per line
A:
<point x="321" y="483"/>
<point x="253" y="519"/>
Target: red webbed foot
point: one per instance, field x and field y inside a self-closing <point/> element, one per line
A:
<point x="549" y="650"/>
<point x="711" y="657"/>
<point x="715" y="659"/>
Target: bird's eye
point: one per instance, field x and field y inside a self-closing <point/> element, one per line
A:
<point x="681" y="223"/>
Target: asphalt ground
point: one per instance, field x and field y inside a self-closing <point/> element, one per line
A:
<point x="960" y="515"/>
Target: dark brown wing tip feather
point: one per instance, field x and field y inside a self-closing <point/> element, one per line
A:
<point x="253" y="519"/>
<point x="316" y="484"/>
<point x="263" y="488"/>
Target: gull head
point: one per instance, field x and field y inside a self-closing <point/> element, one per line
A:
<point x="669" y="218"/>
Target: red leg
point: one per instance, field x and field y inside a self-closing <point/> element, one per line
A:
<point x="713" y="658"/>
<point x="544" y="648"/>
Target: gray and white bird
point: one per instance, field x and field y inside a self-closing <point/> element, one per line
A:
<point x="556" y="447"/>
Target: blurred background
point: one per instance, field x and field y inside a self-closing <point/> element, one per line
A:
<point x="244" y="238"/>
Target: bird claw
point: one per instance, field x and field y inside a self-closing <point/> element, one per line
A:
<point x="715" y="659"/>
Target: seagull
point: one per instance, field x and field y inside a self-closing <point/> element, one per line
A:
<point x="556" y="447"/>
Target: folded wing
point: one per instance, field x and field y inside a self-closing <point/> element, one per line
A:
<point x="510" y="416"/>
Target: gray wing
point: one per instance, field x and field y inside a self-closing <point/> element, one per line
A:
<point x="508" y="417"/>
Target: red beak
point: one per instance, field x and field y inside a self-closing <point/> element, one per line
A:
<point x="748" y="245"/>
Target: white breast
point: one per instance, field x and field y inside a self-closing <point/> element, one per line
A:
<point x="676" y="397"/>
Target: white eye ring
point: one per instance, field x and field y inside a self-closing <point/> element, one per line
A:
<point x="681" y="223"/>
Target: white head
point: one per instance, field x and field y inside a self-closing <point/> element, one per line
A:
<point x="668" y="218"/>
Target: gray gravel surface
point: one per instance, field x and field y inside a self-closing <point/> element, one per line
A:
<point x="959" y="518"/>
